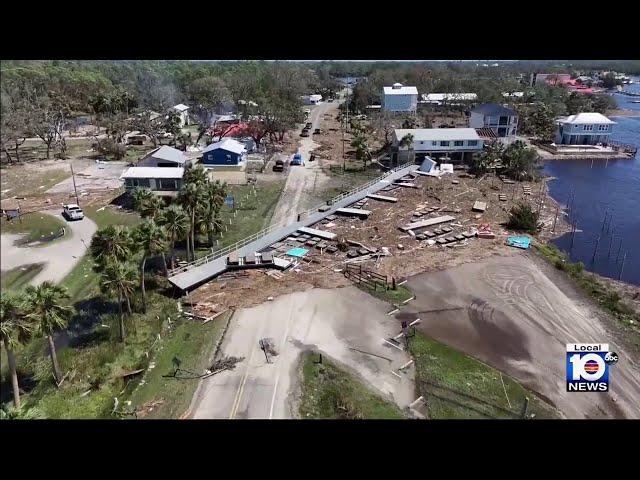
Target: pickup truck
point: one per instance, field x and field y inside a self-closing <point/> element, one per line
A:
<point x="297" y="160"/>
<point x="72" y="212"/>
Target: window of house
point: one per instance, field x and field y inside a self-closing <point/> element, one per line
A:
<point x="444" y="143"/>
<point x="588" y="128"/>
<point x="458" y="143"/>
<point x="434" y="143"/>
<point x="603" y="128"/>
<point x="141" y="182"/>
<point x="472" y="143"/>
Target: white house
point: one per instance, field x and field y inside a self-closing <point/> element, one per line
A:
<point x="584" y="129"/>
<point x="459" y="144"/>
<point x="502" y="120"/>
<point x="183" y="112"/>
<point x="450" y="98"/>
<point x="400" y="99"/>
<point x="164" y="156"/>
<point x="163" y="181"/>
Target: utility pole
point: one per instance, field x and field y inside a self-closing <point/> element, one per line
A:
<point x="74" y="184"/>
<point x="610" y="243"/>
<point x="622" y="266"/>
<point x="555" y="219"/>
<point x="595" y="249"/>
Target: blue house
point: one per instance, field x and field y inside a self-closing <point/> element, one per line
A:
<point x="227" y="152"/>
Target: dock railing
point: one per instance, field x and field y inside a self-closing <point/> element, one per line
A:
<point x="271" y="228"/>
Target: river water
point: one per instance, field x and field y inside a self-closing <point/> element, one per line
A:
<point x="609" y="189"/>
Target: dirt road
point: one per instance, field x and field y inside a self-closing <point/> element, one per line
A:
<point x="59" y="258"/>
<point x="302" y="180"/>
<point x="517" y="315"/>
<point x="325" y="320"/>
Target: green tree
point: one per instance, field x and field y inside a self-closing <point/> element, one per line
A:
<point x="112" y="243"/>
<point x="176" y="222"/>
<point x="15" y="330"/>
<point x="407" y="142"/>
<point x="519" y="161"/>
<point x="118" y="278"/>
<point x="152" y="240"/>
<point x="45" y="306"/>
<point x="140" y="198"/>
<point x="522" y="217"/>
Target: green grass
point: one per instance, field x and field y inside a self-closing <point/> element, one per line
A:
<point x="395" y="297"/>
<point x="606" y="297"/>
<point x="329" y="392"/>
<point x="111" y="216"/>
<point x="35" y="226"/>
<point x="96" y="364"/>
<point x="192" y="343"/>
<point x="19" y="277"/>
<point x="253" y="212"/>
<point x="457" y="386"/>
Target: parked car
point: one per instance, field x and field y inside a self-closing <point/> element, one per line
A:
<point x="316" y="131"/>
<point x="297" y="160"/>
<point x="309" y="125"/>
<point x="72" y="212"/>
<point x="278" y="166"/>
<point x="312" y="157"/>
<point x="305" y="133"/>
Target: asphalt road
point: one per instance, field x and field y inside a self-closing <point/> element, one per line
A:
<point x="328" y="321"/>
<point x="59" y="257"/>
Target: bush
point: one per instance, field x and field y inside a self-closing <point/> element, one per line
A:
<point x="522" y="217"/>
<point x="107" y="146"/>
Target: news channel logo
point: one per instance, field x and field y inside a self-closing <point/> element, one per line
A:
<point x="588" y="367"/>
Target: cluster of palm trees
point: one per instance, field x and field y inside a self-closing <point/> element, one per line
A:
<point x="38" y="311"/>
<point x="115" y="248"/>
<point x="407" y="142"/>
<point x="359" y="142"/>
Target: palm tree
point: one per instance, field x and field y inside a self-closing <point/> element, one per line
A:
<point x="112" y="243"/>
<point x="140" y="197"/>
<point x="152" y="240"/>
<point x="15" y="330"/>
<point x="191" y="197"/>
<point x="196" y="175"/>
<point x="407" y="141"/>
<point x="213" y="199"/>
<point x="45" y="306"/>
<point x="152" y="207"/>
<point x="119" y="278"/>
<point x="176" y="223"/>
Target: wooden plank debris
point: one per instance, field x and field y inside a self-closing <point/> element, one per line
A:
<point x="309" y="232"/>
<point x="479" y="206"/>
<point x="353" y="212"/>
<point x="382" y="198"/>
<point x="427" y="223"/>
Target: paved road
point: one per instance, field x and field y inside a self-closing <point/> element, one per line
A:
<point x="60" y="257"/>
<point x="319" y="320"/>
<point x="298" y="190"/>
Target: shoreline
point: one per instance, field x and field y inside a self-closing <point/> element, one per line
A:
<point x="623" y="112"/>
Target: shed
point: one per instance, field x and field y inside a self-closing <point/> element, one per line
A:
<point x="10" y="208"/>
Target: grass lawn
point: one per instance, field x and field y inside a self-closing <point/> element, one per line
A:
<point x="17" y="181"/>
<point x="111" y="216"/>
<point x="19" y="277"/>
<point x="328" y="392"/>
<point x="457" y="386"/>
<point x="253" y="212"/>
<point x="35" y="226"/>
<point x="192" y="343"/>
<point x="395" y="297"/>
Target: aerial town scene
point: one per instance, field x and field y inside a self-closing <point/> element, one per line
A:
<point x="355" y="240"/>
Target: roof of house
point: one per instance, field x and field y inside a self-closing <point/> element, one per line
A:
<point x="439" y="97"/>
<point x="181" y="107"/>
<point x="513" y="94"/>
<point x="400" y="91"/>
<point x="590" y="117"/>
<point x="169" y="154"/>
<point x="233" y="131"/>
<point x="426" y="134"/>
<point x="153" y="172"/>
<point x="494" y="109"/>
<point x="227" y="144"/>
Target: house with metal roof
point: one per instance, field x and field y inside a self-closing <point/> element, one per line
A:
<point x="163" y="181"/>
<point x="502" y="120"/>
<point x="584" y="129"/>
<point x="183" y="112"/>
<point x="400" y="99"/>
<point x="455" y="144"/>
<point x="227" y="152"/>
<point x="164" y="156"/>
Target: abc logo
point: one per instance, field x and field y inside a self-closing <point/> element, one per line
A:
<point x="611" y="358"/>
<point x="590" y="367"/>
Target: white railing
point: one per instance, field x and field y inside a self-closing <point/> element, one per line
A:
<point x="266" y="231"/>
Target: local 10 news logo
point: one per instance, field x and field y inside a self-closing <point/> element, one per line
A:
<point x="588" y="367"/>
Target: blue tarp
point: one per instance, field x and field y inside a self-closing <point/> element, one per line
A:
<point x="297" y="252"/>
<point x="519" y="242"/>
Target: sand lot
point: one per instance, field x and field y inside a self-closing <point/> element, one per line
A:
<point x="509" y="313"/>
<point x="325" y="320"/>
<point x="97" y="176"/>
